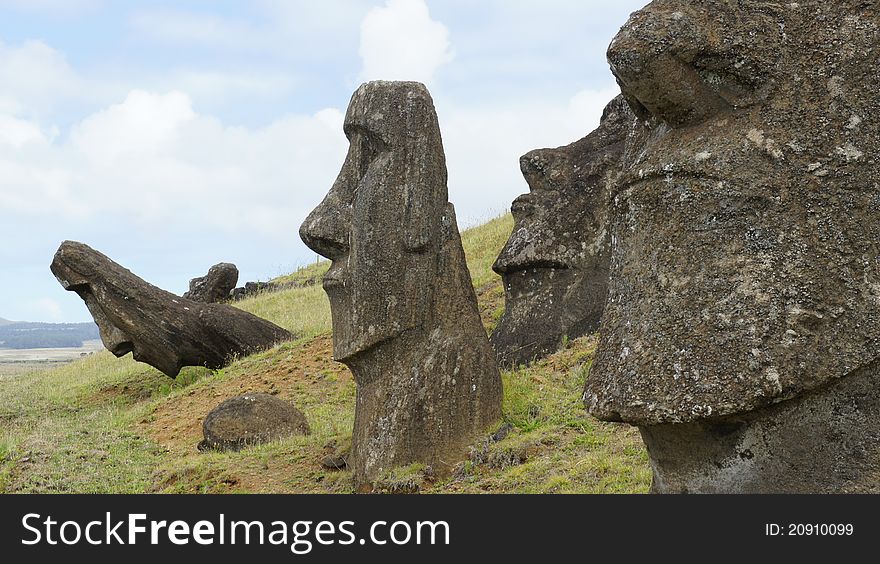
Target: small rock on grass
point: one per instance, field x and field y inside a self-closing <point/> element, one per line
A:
<point x="251" y="419"/>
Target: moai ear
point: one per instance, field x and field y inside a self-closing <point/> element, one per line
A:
<point x="448" y="225"/>
<point x="419" y="227"/>
<point x="425" y="190"/>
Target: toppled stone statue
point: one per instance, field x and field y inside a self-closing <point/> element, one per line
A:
<point x="405" y="317"/>
<point x="251" y="289"/>
<point x="251" y="419"/>
<point x="555" y="264"/>
<point x="742" y="328"/>
<point x="215" y="286"/>
<point x="157" y="327"/>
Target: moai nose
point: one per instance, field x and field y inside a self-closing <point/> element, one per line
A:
<point x="652" y="58"/>
<point x="327" y="230"/>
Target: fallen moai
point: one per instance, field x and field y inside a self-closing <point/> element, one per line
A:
<point x="158" y="327"/>
<point x="214" y="287"/>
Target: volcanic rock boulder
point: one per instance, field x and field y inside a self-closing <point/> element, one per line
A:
<point x="215" y="286"/>
<point x="555" y="264"/>
<point x="157" y="327"/>
<point x="251" y="419"/>
<point x="742" y="327"/>
<point x="405" y="317"/>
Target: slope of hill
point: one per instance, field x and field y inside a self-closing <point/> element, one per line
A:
<point x="103" y="424"/>
<point x="5" y="322"/>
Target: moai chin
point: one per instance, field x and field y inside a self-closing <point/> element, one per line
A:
<point x="742" y="327"/>
<point x="405" y="317"/>
<point x="555" y="263"/>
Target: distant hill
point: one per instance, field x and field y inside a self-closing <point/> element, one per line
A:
<point x="5" y="322"/>
<point x="20" y="335"/>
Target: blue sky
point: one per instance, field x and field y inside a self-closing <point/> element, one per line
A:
<point x="175" y="135"/>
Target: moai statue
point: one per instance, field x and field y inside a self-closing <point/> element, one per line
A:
<point x="555" y="264"/>
<point x="742" y="328"/>
<point x="160" y="329"/>
<point x="215" y="286"/>
<point x="405" y="317"/>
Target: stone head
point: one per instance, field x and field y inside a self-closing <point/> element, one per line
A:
<point x="745" y="267"/>
<point x="158" y="327"/>
<point x="105" y="287"/>
<point x="381" y="222"/>
<point x="555" y="263"/>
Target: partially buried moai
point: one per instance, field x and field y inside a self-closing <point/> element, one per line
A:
<point x="742" y="328"/>
<point x="405" y="317"/>
<point x="555" y="264"/>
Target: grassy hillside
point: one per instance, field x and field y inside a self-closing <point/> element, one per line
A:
<point x="103" y="424"/>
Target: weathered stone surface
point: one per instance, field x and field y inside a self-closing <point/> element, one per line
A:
<point x="745" y="268"/>
<point x="215" y="286"/>
<point x="157" y="327"/>
<point x="823" y="441"/>
<point x="251" y="419"/>
<point x="555" y="264"/>
<point x="251" y="289"/>
<point x="335" y="461"/>
<point x="237" y="294"/>
<point x="405" y="317"/>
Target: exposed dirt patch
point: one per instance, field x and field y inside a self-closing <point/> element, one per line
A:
<point x="177" y="424"/>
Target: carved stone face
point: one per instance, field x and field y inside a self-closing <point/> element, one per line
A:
<point x="157" y="327"/>
<point x="555" y="264"/>
<point x="394" y="181"/>
<point x="109" y="296"/>
<point x="745" y="266"/>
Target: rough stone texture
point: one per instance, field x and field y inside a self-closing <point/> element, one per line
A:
<point x="251" y="419"/>
<point x="824" y="441"/>
<point x="745" y="265"/>
<point x="405" y="317"/>
<point x="215" y="286"/>
<point x="157" y="327"/>
<point x="555" y="264"/>
<point x="251" y="289"/>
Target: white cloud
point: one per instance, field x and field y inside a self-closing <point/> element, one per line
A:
<point x="212" y="86"/>
<point x="17" y="133"/>
<point x="400" y="41"/>
<point x="141" y="127"/>
<point x="152" y="160"/>
<point x="34" y="78"/>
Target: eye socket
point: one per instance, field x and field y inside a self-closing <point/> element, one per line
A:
<point x="370" y="148"/>
<point x="365" y="147"/>
<point x="735" y="79"/>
